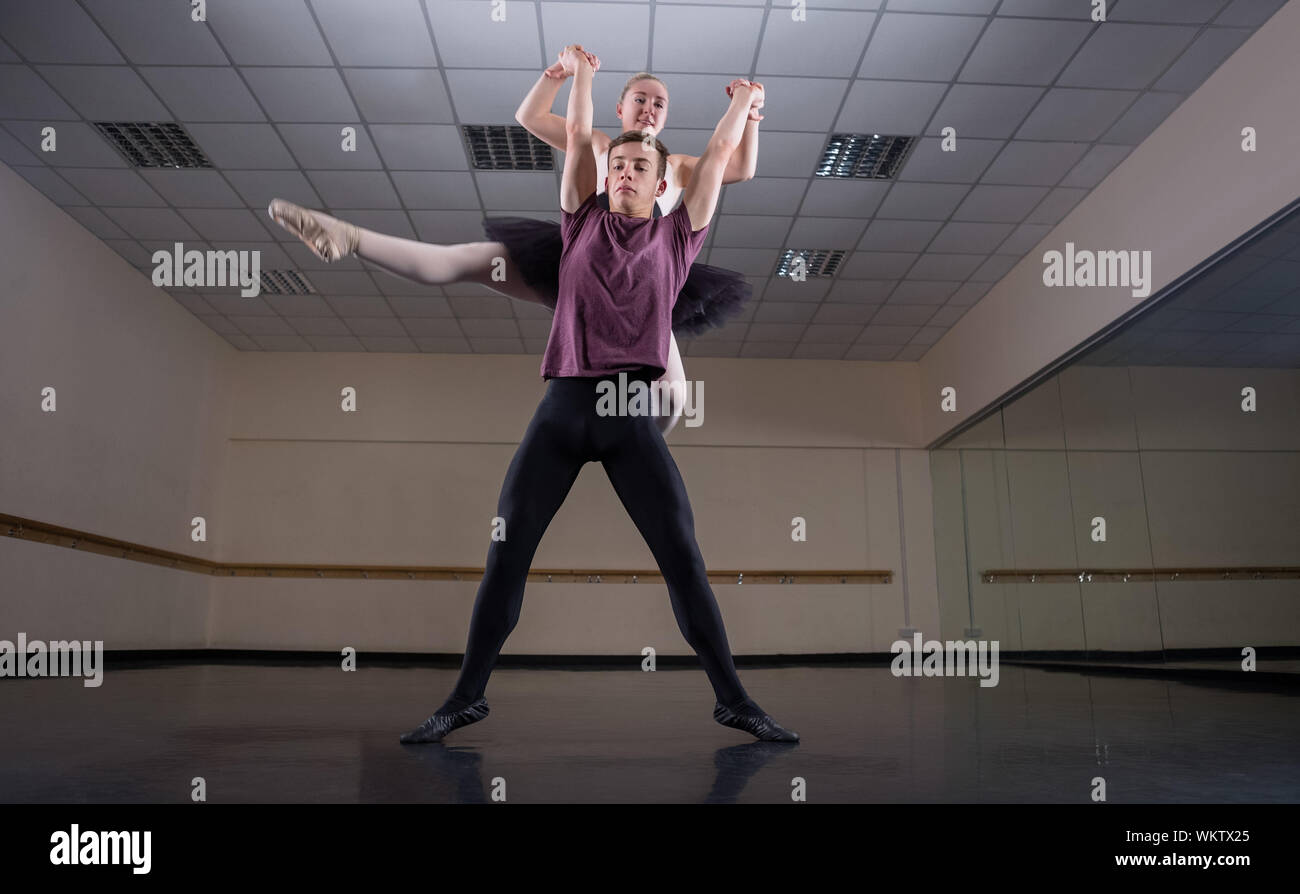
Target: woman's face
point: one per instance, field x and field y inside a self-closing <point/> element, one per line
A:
<point x="644" y="105"/>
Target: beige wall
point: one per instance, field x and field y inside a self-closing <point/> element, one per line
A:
<point x="1198" y="192"/>
<point x="134" y="448"/>
<point x="1182" y="477"/>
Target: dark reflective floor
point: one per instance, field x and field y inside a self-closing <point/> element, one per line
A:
<point x="318" y="734"/>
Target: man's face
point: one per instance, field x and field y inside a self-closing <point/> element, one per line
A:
<point x="633" y="181"/>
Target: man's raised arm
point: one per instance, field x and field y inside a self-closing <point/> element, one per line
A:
<point x="701" y="197"/>
<point x="579" y="164"/>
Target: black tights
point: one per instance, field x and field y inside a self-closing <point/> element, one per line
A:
<point x="565" y="433"/>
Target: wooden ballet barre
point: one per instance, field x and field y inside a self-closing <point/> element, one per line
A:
<point x="53" y="535"/>
<point x="1130" y="575"/>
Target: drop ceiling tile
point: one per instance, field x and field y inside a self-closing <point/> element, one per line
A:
<point x="358" y="305"/>
<point x="898" y="235"/>
<point x="872" y="352"/>
<point x="947" y="315"/>
<point x="1126" y="56"/>
<point x="255" y="326"/>
<point x="749" y="230"/>
<point x="784" y="312"/>
<point x="1248" y="13"/>
<point x="811" y="290"/>
<point x="192" y="189"/>
<point x="775" y="350"/>
<point x="26" y="25"/>
<point x="355" y="189"/>
<point x="232" y="304"/>
<point x="1053" y="9"/>
<point x="24" y="95"/>
<point x="918" y="291"/>
<point x="12" y="152"/>
<point x="978" y="238"/>
<point x="996" y="267"/>
<point x="805" y="103"/>
<point x="440" y="327"/>
<point x="469" y="36"/>
<point x="825" y="232"/>
<point x="380" y="326"/>
<point x="903" y="315"/>
<point x="199" y="93"/>
<point x="810" y="350"/>
<point x="1024" y="239"/>
<point x="443" y="345"/>
<point x="379" y="32"/>
<point x="255" y="32"/>
<point x="489" y="96"/>
<point x="156" y="32"/>
<point x="1201" y="59"/>
<point x="782" y="332"/>
<point x="400" y="95"/>
<point x="227" y="224"/>
<point x="448" y="227"/>
<point x="320" y="146"/>
<point x="704" y="38"/>
<point x="887" y="107"/>
<point x="258" y="188"/>
<point x="887" y="335"/>
<point x="319" y="326"/>
<point x="423" y="189"/>
<point x="922" y="201"/>
<point x="233" y="146"/>
<point x="764" y="195"/>
<point x="344" y="282"/>
<point x="749" y="261"/>
<point x="302" y="94"/>
<point x="877" y="265"/>
<point x="1058" y="203"/>
<point x="911" y="352"/>
<point x="111" y="187"/>
<point x="827" y="43"/>
<point x="1096" y="166"/>
<point x="76" y="145"/>
<point x="964" y="164"/>
<point x="1000" y="204"/>
<point x="413" y="308"/>
<point x="1024" y="51"/>
<point x="1192" y="12"/>
<point x="834" y="197"/>
<point x="422" y="147"/>
<point x="933" y="265"/>
<point x="97" y="222"/>
<point x="390" y="223"/>
<point x="893" y="51"/>
<point x="790" y="154"/>
<point x="106" y="92"/>
<point x="969" y="293"/>
<point x="151" y="223"/>
<point x="987" y="111"/>
<point x="51" y="185"/>
<point x="968" y="7"/>
<point x="1066" y="114"/>
<point x="832" y="333"/>
<point x="1027" y="163"/>
<point x="927" y="336"/>
<point x="1142" y="118"/>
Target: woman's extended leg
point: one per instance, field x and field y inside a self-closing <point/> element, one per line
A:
<point x="331" y="239"/>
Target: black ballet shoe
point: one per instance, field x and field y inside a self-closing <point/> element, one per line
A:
<point x="439" y="725"/>
<point x="760" y="726"/>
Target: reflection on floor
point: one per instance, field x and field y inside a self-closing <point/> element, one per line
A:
<point x="286" y="733"/>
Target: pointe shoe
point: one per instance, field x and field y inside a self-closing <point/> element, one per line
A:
<point x="760" y="726"/>
<point x="328" y="237"/>
<point x="439" y="725"/>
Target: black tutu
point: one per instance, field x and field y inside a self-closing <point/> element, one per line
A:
<point x="710" y="297"/>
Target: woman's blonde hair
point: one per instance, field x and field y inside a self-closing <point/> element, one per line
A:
<point x="640" y="76"/>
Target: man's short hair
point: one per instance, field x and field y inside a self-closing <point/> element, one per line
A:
<point x="636" y="136"/>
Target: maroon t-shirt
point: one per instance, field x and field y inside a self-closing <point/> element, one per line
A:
<point x="619" y="280"/>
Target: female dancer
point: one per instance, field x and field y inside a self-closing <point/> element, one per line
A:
<point x="531" y="248"/>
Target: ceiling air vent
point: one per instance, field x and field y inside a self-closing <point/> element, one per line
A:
<point x="285" y="282"/>
<point x="862" y="156"/>
<point x="148" y="145"/>
<point x="816" y="261"/>
<point x="496" y="148"/>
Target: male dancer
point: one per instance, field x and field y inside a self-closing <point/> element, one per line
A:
<point x="620" y="273"/>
